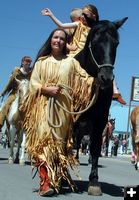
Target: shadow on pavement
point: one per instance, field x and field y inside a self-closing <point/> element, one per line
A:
<point x="107" y="188"/>
<point x="3" y="159"/>
<point x="112" y="190"/>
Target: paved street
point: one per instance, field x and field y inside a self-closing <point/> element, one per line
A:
<point x="115" y="173"/>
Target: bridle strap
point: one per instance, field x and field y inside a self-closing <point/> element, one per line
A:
<point x="93" y="58"/>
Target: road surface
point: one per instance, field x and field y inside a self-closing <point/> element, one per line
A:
<point x="115" y="173"/>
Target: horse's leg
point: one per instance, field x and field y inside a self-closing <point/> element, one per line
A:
<point x="85" y="148"/>
<point x="98" y="118"/>
<point x="12" y="132"/>
<point x="78" y="145"/>
<point x="94" y="186"/>
<point x="22" y="157"/>
<point x="103" y="146"/>
<point x="8" y="137"/>
<point x="107" y="146"/>
<point x="77" y="154"/>
<point x="78" y="138"/>
<point x="90" y="158"/>
<point x="137" y="157"/>
<point x="95" y="151"/>
<point x="19" y="140"/>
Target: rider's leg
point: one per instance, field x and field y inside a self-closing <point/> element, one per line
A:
<point x="117" y="95"/>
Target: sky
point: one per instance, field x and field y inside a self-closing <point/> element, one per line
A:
<point x="23" y="30"/>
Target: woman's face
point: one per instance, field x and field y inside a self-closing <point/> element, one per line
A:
<point x="58" y="41"/>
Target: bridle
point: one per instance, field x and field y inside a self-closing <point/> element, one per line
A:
<point x="93" y="58"/>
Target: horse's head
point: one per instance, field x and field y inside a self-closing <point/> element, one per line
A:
<point x="22" y="87"/>
<point x="112" y="121"/>
<point x="13" y="115"/>
<point x="100" y="51"/>
<point x="103" y="42"/>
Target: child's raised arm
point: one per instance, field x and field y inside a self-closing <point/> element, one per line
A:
<point x="48" y="12"/>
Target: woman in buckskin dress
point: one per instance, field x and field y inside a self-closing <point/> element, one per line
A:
<point x="58" y="85"/>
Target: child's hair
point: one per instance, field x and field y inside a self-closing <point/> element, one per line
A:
<point x="75" y="14"/>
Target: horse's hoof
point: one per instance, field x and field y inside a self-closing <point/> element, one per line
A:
<point x="10" y="160"/>
<point x="89" y="161"/>
<point x="16" y="161"/>
<point x="133" y="162"/>
<point x="22" y="162"/>
<point x="137" y="166"/>
<point x="94" y="189"/>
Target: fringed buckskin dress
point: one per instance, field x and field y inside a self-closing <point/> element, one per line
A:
<point x="48" y="126"/>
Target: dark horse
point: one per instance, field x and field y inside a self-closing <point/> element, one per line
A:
<point x="98" y="58"/>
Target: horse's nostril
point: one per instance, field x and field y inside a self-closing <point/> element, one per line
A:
<point x="102" y="78"/>
<point x="106" y="79"/>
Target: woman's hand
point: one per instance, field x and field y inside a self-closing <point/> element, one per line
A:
<point x="51" y="90"/>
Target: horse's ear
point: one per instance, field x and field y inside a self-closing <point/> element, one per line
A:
<point x="119" y="23"/>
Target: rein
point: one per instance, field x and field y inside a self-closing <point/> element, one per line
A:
<point x="54" y="103"/>
<point x="93" y="58"/>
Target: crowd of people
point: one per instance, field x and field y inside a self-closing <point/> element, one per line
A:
<point x="54" y="79"/>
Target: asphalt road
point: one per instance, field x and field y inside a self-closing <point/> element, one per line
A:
<point x="115" y="173"/>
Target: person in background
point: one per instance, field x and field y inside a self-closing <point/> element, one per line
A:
<point x="124" y="143"/>
<point x="54" y="90"/>
<point x="21" y="72"/>
<point x="132" y="157"/>
<point x="116" y="145"/>
<point x="81" y="24"/>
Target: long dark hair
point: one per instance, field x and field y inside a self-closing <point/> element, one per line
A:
<point x="46" y="47"/>
<point x="93" y="9"/>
